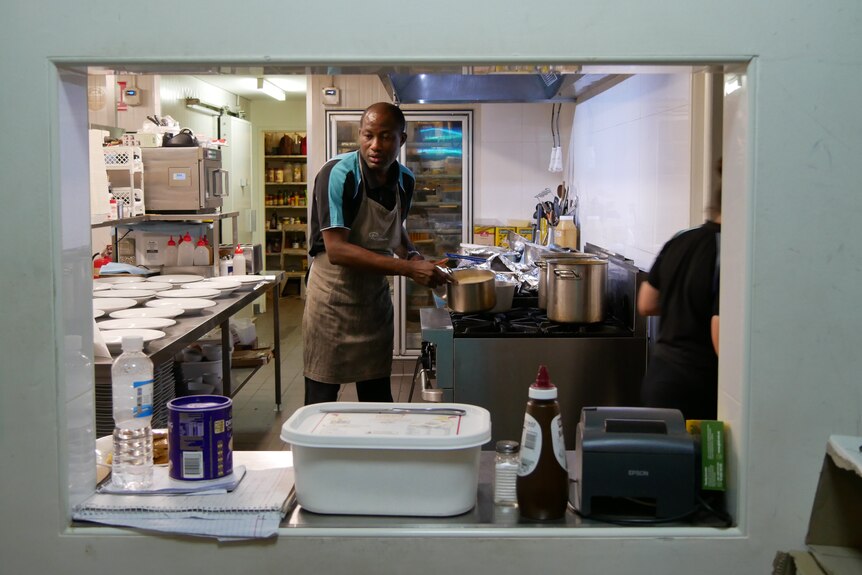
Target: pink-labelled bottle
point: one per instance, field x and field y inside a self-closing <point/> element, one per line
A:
<point x="543" y="477"/>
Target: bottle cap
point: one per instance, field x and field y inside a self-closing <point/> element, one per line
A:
<point x="202" y="242"/>
<point x="542" y="388"/>
<point x="187" y="237"/>
<point x="507" y="446"/>
<point x="238" y="249"/>
<point x="132" y="343"/>
<point x="171" y="241"/>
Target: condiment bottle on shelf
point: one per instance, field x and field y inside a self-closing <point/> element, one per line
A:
<point x="543" y="478"/>
<point x="132" y="394"/>
<point x="201" y="256"/>
<point x="238" y="261"/>
<point x="171" y="253"/>
<point x="186" y="251"/>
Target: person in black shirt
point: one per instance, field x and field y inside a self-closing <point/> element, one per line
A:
<point x="682" y="288"/>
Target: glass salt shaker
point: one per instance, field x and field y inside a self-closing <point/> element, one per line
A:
<point x="506" y="462"/>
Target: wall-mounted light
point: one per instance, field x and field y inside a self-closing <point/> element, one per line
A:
<point x="271" y="89"/>
<point x="204" y="108"/>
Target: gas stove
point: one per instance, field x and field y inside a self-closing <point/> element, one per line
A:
<point x="530" y="322"/>
<point x="490" y="359"/>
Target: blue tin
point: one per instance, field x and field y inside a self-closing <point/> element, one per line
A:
<point x="200" y="442"/>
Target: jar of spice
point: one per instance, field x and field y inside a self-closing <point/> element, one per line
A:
<point x="506" y="464"/>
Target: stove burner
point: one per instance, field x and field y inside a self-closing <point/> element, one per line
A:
<point x="529" y="322"/>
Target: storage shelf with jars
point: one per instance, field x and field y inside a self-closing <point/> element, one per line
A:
<point x="286" y="201"/>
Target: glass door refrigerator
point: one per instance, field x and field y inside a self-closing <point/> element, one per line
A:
<point x="439" y="153"/>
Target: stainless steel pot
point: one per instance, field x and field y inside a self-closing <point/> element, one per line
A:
<point x="542" y="264"/>
<point x="471" y="291"/>
<point x="577" y="290"/>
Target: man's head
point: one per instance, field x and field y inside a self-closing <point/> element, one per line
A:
<point x="382" y="132"/>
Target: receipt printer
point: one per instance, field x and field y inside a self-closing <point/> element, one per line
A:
<point x="634" y="454"/>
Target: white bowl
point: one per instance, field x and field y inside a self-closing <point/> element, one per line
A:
<point x="109" y="304"/>
<point x="167" y="311"/>
<point x="139" y="295"/>
<point x="224" y="286"/>
<point x="101" y="287"/>
<point x="206" y="293"/>
<point x="137" y="323"/>
<point x="114" y="337"/>
<point x="247" y="281"/>
<point x="190" y="305"/>
<point x="147" y="286"/>
<point x="176" y="279"/>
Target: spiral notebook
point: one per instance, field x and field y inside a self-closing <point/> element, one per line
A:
<point x="254" y="509"/>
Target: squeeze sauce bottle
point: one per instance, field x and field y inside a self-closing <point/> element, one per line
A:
<point x="201" y="254"/>
<point x="171" y="253"/>
<point x="543" y="477"/>
<point x="186" y="251"/>
<point x="238" y="261"/>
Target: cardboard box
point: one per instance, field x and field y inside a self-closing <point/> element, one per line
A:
<point x="502" y="235"/>
<point x="484" y="235"/>
<point x="713" y="475"/>
<point x="834" y="536"/>
<point x="251" y="357"/>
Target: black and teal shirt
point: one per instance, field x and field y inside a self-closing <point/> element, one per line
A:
<point x="338" y="193"/>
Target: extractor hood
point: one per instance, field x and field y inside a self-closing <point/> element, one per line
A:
<point x="468" y="87"/>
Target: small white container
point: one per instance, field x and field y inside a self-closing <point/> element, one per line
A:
<point x="389" y="462"/>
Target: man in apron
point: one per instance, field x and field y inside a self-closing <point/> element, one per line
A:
<point x="361" y="200"/>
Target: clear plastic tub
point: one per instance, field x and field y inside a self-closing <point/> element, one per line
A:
<point x="387" y="462"/>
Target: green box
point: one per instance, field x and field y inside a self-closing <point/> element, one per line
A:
<point x="712" y="456"/>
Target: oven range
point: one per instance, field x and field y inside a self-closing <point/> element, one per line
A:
<point x="490" y="360"/>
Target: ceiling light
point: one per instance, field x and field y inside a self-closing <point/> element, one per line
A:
<point x="204" y="108"/>
<point x="270" y="89"/>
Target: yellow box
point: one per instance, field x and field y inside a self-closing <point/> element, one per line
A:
<point x="502" y="236"/>
<point x="526" y="232"/>
<point x="484" y="235"/>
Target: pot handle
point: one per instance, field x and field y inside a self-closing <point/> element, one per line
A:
<point x="567" y="274"/>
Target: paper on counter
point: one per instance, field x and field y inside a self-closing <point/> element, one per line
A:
<point x="163" y="484"/>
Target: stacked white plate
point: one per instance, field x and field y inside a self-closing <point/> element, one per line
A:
<point x="137" y="323"/>
<point x="176" y="279"/>
<point x="101" y="287"/>
<point x="111" y="280"/>
<point x="114" y="337"/>
<point x="189" y="305"/>
<point x="225" y="286"/>
<point x="247" y="282"/>
<point x="98" y="313"/>
<point x="148" y="286"/>
<point x="205" y="293"/>
<point x="139" y="295"/>
<point x="109" y="304"/>
<point x="166" y="311"/>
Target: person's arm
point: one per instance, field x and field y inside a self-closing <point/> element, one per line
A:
<point x="407" y="251"/>
<point x="343" y="253"/>
<point x="648" y="300"/>
<point x="713" y="328"/>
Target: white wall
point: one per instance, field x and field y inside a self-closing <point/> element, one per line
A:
<point x="790" y="338"/>
<point x="632" y="150"/>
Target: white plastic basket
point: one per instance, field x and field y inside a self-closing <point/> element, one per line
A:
<point x="121" y="157"/>
<point x="133" y="200"/>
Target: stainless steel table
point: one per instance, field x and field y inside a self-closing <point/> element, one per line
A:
<point x="190" y="328"/>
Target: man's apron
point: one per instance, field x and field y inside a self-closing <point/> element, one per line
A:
<point x="347" y="327"/>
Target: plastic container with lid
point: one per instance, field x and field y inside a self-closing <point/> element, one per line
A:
<point x="201" y="256"/>
<point x="171" y="253"/>
<point x="186" y="251"/>
<point x="387" y="458"/>
<point x="543" y="477"/>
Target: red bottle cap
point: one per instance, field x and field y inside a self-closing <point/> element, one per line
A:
<point x="187" y="237"/>
<point x="542" y="388"/>
<point x="238" y="249"/>
<point x="171" y="241"/>
<point x="202" y="242"/>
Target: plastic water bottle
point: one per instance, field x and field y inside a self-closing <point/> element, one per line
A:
<point x="238" y="261"/>
<point x="132" y="384"/>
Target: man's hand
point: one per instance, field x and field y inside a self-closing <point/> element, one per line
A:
<point x="426" y="273"/>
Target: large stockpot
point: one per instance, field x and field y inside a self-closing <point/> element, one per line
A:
<point x="542" y="264"/>
<point x="577" y="290"/>
<point x="471" y="291"/>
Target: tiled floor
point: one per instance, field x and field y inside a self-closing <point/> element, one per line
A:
<point x="256" y="424"/>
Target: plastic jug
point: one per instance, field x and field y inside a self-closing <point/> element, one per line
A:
<point x="202" y="254"/>
<point x="186" y="251"/>
<point x="171" y="253"/>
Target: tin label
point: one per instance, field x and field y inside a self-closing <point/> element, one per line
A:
<point x="558" y="441"/>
